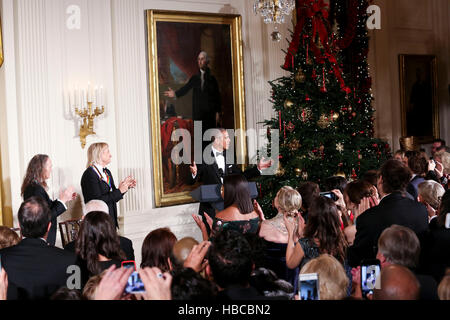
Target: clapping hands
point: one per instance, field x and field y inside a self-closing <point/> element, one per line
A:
<point x="67" y="194"/>
<point x="126" y="184"/>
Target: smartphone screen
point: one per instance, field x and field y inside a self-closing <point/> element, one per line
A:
<point x="308" y="285"/>
<point x="134" y="284"/>
<point x="370" y="271"/>
<point x="329" y="195"/>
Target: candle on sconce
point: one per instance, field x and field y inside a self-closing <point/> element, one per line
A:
<point x="96" y="97"/>
<point x="89" y="96"/>
<point x="101" y="102"/>
<point x="76" y="97"/>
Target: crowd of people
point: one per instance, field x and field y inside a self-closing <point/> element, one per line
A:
<point x="396" y="217"/>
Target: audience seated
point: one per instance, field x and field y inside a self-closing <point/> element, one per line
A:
<point x="394" y="208"/>
<point x="419" y="167"/>
<point x="181" y="250"/>
<point x="98" y="205"/>
<point x="333" y="280"/>
<point x="399" y="245"/>
<point x="8" y="237"/>
<point x="397" y="283"/>
<point x="308" y="191"/>
<point x="430" y="194"/>
<point x="442" y="159"/>
<point x="400" y="156"/>
<point x="287" y="202"/>
<point x="98" y="245"/>
<point x="437" y="247"/>
<point x="335" y="182"/>
<point x="359" y="195"/>
<point x="322" y="234"/>
<point x="239" y="213"/>
<point x="157" y="249"/>
<point x="67" y="294"/>
<point x="189" y="285"/>
<point x="35" y="269"/>
<point x="231" y="265"/>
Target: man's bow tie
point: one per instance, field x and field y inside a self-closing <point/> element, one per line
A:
<point x="219" y="154"/>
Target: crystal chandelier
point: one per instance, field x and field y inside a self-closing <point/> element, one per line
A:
<point x="274" y="11"/>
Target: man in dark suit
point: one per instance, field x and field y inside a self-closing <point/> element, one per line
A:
<point x="35" y="269"/>
<point x="214" y="169"/>
<point x="98" y="205"/>
<point x="394" y="208"/>
<point x="206" y="102"/>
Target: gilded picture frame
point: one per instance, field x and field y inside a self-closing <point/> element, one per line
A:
<point x="419" y="100"/>
<point x="1" y="43"/>
<point x="175" y="40"/>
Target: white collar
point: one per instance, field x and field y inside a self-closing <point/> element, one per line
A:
<point x="214" y="150"/>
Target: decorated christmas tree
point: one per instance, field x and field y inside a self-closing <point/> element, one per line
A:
<point x="323" y="108"/>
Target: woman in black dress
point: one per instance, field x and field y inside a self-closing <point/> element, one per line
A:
<point x="97" y="181"/>
<point x="34" y="185"/>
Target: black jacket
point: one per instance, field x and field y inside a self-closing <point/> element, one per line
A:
<point x="93" y="187"/>
<point x="35" y="269"/>
<point x="392" y="209"/>
<point x="56" y="207"/>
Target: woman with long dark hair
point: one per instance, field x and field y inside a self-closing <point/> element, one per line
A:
<point x="98" y="245"/>
<point x="34" y="184"/>
<point x="322" y="234"/>
<point x="157" y="249"/>
<point x="239" y="213"/>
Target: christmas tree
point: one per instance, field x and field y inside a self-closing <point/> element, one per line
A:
<point x="323" y="111"/>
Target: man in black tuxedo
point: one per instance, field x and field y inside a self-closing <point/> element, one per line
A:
<point x="213" y="173"/>
<point x="35" y="269"/>
<point x="394" y="208"/>
<point x="98" y="205"/>
<point x="206" y="102"/>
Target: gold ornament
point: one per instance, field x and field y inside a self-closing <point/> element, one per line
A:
<point x="321" y="148"/>
<point x="300" y="76"/>
<point x="288" y="103"/>
<point x="280" y="170"/>
<point x="297" y="172"/>
<point x="305" y="114"/>
<point x="323" y="122"/>
<point x="309" y="61"/>
<point x="340" y="147"/>
<point x="294" y="145"/>
<point x="335" y="116"/>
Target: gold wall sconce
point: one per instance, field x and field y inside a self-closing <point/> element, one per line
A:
<point x="88" y="104"/>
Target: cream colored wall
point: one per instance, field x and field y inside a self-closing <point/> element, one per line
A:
<point x="408" y="27"/>
<point x="44" y="59"/>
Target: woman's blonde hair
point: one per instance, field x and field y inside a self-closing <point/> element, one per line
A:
<point x="91" y="286"/>
<point x="289" y="200"/>
<point x="94" y="152"/>
<point x="431" y="192"/>
<point x="445" y="158"/>
<point x="333" y="280"/>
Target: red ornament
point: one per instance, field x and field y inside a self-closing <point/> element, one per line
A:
<point x="290" y="126"/>
<point x="307" y="98"/>
<point x="375" y="145"/>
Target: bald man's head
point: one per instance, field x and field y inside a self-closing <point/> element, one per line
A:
<point x="397" y="283"/>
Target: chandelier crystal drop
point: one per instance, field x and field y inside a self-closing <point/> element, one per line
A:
<point x="274" y="11"/>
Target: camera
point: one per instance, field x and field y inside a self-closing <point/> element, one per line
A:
<point x="370" y="271"/>
<point x="329" y="195"/>
<point x="308" y="285"/>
